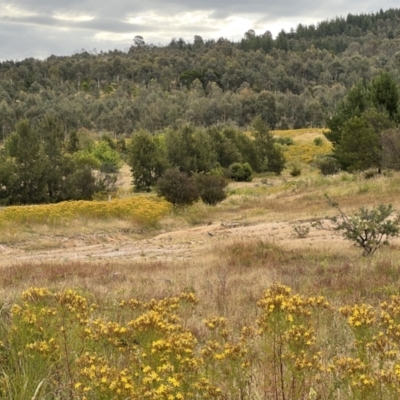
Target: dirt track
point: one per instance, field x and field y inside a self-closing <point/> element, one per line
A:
<point x="183" y="244"/>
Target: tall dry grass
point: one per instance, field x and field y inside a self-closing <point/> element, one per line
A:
<point x="229" y="283"/>
<point x="342" y="357"/>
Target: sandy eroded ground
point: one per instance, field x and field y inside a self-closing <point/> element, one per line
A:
<point x="178" y="245"/>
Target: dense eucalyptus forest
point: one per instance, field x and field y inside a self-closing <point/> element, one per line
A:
<point x="294" y="80"/>
<point x="204" y="92"/>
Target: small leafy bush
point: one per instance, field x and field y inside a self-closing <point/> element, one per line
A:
<point x="328" y="165"/>
<point x="177" y="188"/>
<point x="318" y="141"/>
<point x="105" y="137"/>
<point x="284" y="140"/>
<point x="211" y="188"/>
<point x="368" y="229"/>
<point x="296" y="171"/>
<point x="106" y="154"/>
<point x="241" y="172"/>
<point x="301" y="230"/>
<point x="220" y="171"/>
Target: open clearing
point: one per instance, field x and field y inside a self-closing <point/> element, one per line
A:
<point x="232" y="258"/>
<point x="183" y="244"/>
<point x="192" y="241"/>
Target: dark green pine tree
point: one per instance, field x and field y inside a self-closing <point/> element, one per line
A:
<point x="359" y="147"/>
<point x="270" y="156"/>
<point x="355" y="103"/>
<point x="58" y="166"/>
<point x="385" y="94"/>
<point x="25" y="154"/>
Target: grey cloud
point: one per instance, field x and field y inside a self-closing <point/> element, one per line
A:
<point x="24" y="42"/>
<point x="220" y="14"/>
<point x="276" y="8"/>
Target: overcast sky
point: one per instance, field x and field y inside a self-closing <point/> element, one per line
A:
<point x="40" y="28"/>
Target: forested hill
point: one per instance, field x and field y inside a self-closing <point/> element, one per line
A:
<point x="294" y="80"/>
<point x="334" y="35"/>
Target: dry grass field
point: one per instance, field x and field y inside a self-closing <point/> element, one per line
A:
<point x="228" y="256"/>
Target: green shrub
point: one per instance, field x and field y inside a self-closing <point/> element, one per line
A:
<point x="241" y="172"/>
<point x="121" y="146"/>
<point x="285" y="140"/>
<point x="368" y="229"/>
<point x="296" y="171"/>
<point x="177" y="188"/>
<point x="301" y="230"/>
<point x="318" y="141"/>
<point x="328" y="165"/>
<point x="105" y="154"/>
<point x="211" y="188"/>
<point x="105" y="137"/>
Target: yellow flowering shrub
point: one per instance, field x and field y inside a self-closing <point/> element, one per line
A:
<point x="147" y="354"/>
<point x="307" y="152"/>
<point x="64" y="342"/>
<point x="304" y="149"/>
<point x="287" y="326"/>
<point x="140" y="209"/>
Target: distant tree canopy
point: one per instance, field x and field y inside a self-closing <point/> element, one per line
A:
<point x="294" y="80"/>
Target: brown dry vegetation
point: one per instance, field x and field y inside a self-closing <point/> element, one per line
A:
<point x="228" y="255"/>
<point x="241" y="245"/>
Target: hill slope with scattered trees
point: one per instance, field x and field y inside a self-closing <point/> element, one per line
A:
<point x="198" y="106"/>
<point x="294" y="80"/>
